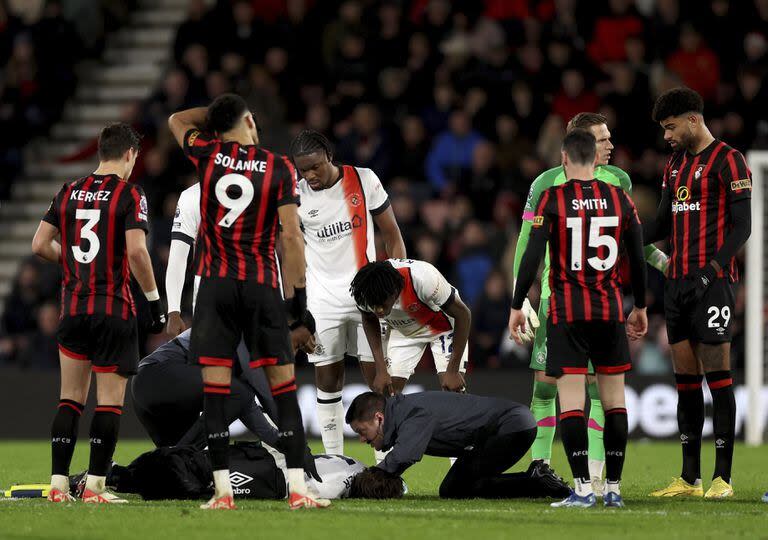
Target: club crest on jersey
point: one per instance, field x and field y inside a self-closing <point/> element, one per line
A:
<point x="413" y="308"/>
<point x="697" y="174"/>
<point x="355" y="199"/>
<point x="143" y="209"/>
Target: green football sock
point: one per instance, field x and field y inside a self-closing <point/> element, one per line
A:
<point x="544" y="411"/>
<point x="595" y="425"/>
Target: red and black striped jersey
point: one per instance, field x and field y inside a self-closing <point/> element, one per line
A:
<point x="701" y="189"/>
<point x="241" y="188"/>
<point x="586" y="223"/>
<point x="92" y="215"/>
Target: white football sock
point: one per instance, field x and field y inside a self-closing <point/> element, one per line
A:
<point x="596" y="468"/>
<point x="613" y="487"/>
<point x="582" y="488"/>
<point x="296" y="482"/>
<point x="60" y="482"/>
<point x="221" y="483"/>
<point x="330" y="414"/>
<point x="97" y="484"/>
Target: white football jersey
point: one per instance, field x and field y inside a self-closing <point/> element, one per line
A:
<point x="186" y="222"/>
<point x="338" y="230"/>
<point x="416" y="312"/>
<point x="335" y="471"/>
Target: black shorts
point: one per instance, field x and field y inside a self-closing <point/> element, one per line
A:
<point x="706" y="320"/>
<point x="570" y="347"/>
<point x="228" y="309"/>
<point x="110" y="343"/>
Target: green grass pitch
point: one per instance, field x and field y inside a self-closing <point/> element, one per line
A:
<point x="419" y="515"/>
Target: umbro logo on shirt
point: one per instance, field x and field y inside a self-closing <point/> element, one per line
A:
<point x="313" y="212"/>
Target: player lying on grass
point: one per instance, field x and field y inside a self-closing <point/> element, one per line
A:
<point x="586" y="224"/>
<point x="168" y="393"/>
<point x="423" y="310"/>
<point x="545" y="387"/>
<point x="487" y="435"/>
<point x="256" y="471"/>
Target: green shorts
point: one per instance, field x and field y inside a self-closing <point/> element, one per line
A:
<point x="539" y="353"/>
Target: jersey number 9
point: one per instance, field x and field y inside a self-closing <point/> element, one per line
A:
<point x="236" y="206"/>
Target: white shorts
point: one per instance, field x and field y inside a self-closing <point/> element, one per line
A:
<point x="404" y="353"/>
<point x="337" y="336"/>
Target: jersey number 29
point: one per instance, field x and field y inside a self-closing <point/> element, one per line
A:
<point x="596" y="240"/>
<point x="237" y="205"/>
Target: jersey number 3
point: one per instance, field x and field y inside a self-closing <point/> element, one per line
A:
<point x="236" y="206"/>
<point x="596" y="240"/>
<point x="91" y="218"/>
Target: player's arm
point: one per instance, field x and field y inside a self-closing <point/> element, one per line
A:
<point x="462" y="321"/>
<point x="413" y="436"/>
<point x="182" y="122"/>
<point x="382" y="383"/>
<point x="141" y="268"/>
<point x="661" y="226"/>
<point x="529" y="266"/>
<point x="44" y="243"/>
<point x="390" y="233"/>
<point x="175" y="275"/>
<point x="737" y="181"/>
<point x="637" y="323"/>
<point x="294" y="263"/>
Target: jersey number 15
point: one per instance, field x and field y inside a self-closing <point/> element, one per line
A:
<point x="596" y="240"/>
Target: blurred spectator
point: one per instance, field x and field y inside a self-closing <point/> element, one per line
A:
<point x="695" y="63"/>
<point x="451" y="153"/>
<point x="473" y="263"/>
<point x="489" y="314"/>
<point x="41" y="349"/>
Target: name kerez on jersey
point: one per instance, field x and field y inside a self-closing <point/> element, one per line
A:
<point x="89" y="196"/>
<point x="238" y="165"/>
<point x="589" y="204"/>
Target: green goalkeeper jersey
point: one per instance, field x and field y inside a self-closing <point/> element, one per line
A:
<point x="554" y="177"/>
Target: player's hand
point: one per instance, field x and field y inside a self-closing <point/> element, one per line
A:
<point x="382" y="384"/>
<point x="454" y="382"/>
<point x="309" y="465"/>
<point x="157" y="311"/>
<point x="702" y="280"/>
<point x="517" y="325"/>
<point x="531" y="322"/>
<point x="302" y="339"/>
<point x="175" y="324"/>
<point x="637" y="324"/>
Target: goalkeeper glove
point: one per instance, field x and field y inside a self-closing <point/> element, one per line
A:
<point x="531" y="322"/>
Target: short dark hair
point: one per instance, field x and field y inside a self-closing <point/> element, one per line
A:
<point x="224" y="113"/>
<point x="375" y="282"/>
<point x="376" y="483"/>
<point x="364" y="406"/>
<point x="310" y="141"/>
<point x="580" y="146"/>
<point x="677" y="101"/>
<point x="116" y="139"/>
<point x="585" y="120"/>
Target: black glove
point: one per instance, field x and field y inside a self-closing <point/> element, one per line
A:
<point x="702" y="280"/>
<point x="157" y="312"/>
<point x="307" y="320"/>
<point x="309" y="465"/>
<point x="296" y="306"/>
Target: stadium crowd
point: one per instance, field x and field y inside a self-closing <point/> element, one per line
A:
<point x="457" y="106"/>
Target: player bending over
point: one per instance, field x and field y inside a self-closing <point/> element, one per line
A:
<point x="422" y="310"/>
<point x="245" y="191"/>
<point x="487" y="435"/>
<point x="545" y="387"/>
<point x="705" y="214"/>
<point x="101" y="222"/>
<point x="339" y="206"/>
<point x="586" y="223"/>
